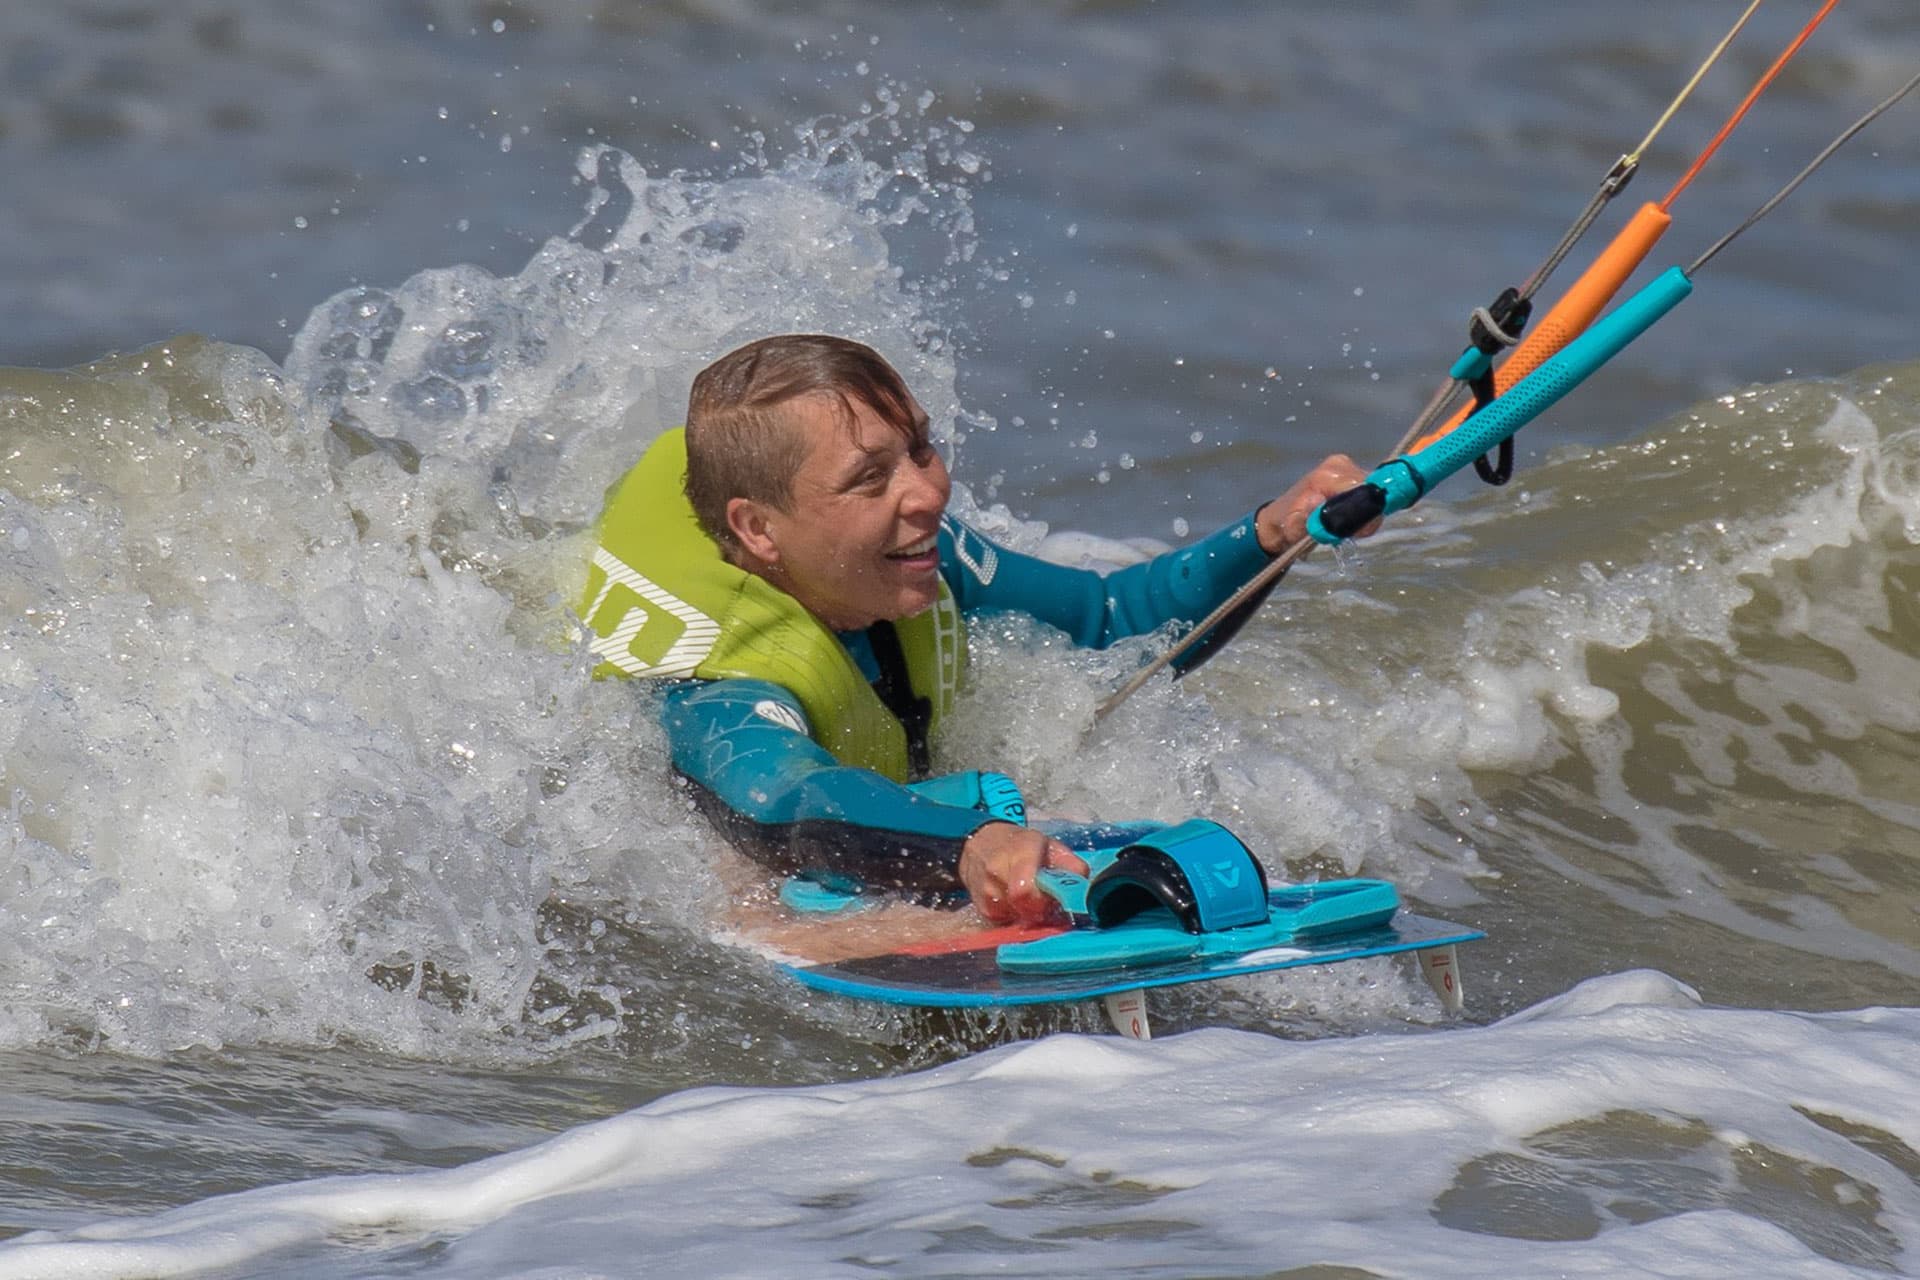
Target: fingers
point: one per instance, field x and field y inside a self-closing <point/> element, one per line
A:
<point x="1283" y="521"/>
<point x="999" y="866"/>
<point x="1061" y="858"/>
<point x="1026" y="900"/>
<point x="986" y="871"/>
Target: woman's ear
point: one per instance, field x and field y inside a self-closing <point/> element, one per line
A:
<point x="752" y="530"/>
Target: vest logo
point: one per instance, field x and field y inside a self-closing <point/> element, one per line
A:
<point x="641" y="629"/>
<point x="781" y="714"/>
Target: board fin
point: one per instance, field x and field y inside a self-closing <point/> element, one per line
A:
<point x="1440" y="966"/>
<point x="1127" y="1011"/>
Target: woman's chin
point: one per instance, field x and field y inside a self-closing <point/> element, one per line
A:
<point x="911" y="602"/>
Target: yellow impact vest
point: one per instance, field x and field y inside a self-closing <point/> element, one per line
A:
<point x="663" y="603"/>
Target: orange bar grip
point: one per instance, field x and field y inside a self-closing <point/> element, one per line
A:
<point x="1577" y="308"/>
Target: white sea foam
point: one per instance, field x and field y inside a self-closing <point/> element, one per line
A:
<point x="1787" y="1141"/>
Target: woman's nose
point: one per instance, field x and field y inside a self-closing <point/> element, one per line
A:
<point x="927" y="488"/>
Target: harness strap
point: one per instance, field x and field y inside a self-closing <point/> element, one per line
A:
<point x="895" y="688"/>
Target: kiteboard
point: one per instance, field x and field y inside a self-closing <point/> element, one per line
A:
<point x="1179" y="904"/>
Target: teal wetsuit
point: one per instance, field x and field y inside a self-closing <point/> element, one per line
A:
<point x="744" y="748"/>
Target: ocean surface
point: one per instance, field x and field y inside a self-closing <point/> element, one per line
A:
<point x="348" y="929"/>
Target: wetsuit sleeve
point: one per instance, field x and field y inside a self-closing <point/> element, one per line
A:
<point x="1095" y="609"/>
<point x="782" y="798"/>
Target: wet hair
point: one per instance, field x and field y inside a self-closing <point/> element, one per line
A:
<point x="741" y="442"/>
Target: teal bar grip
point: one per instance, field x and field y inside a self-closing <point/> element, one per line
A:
<point x="1403" y="481"/>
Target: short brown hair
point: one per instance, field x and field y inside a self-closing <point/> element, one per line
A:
<point x="739" y="443"/>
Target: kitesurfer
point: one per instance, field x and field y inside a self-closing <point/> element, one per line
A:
<point x="787" y="564"/>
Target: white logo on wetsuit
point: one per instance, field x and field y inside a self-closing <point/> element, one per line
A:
<point x="983" y="566"/>
<point x="781" y="714"/>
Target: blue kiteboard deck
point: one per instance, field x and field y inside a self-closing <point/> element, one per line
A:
<point x="973" y="978"/>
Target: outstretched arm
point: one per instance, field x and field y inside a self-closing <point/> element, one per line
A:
<point x="1184" y="585"/>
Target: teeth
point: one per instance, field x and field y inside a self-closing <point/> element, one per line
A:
<point x="921" y="547"/>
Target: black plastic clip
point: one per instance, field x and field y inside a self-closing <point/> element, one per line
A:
<point x="1495" y="328"/>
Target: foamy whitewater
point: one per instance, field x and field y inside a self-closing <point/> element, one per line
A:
<point x="1781" y="1144"/>
<point x="348" y="928"/>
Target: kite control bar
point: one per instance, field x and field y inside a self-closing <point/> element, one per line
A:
<point x="1400" y="482"/>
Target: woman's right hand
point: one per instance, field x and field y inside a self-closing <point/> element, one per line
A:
<point x="1000" y="865"/>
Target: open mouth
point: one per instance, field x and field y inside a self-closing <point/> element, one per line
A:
<point x="925" y="547"/>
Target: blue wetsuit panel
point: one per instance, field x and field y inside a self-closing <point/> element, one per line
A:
<point x="1093" y="609"/>
<point x="783" y="798"/>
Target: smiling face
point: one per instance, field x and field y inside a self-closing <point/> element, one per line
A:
<point x="856" y="541"/>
